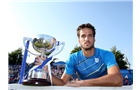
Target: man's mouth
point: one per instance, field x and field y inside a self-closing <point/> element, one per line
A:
<point x="87" y="42"/>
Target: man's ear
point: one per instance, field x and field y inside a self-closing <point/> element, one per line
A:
<point x="78" y="40"/>
<point x="94" y="39"/>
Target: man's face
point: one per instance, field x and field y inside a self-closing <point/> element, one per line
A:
<point x="86" y="39"/>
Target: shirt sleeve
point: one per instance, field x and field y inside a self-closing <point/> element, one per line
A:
<point x="69" y="67"/>
<point x="110" y="59"/>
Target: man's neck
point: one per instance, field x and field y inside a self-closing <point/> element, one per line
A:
<point x="88" y="53"/>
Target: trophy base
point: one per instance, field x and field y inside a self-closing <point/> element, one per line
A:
<point x="36" y="82"/>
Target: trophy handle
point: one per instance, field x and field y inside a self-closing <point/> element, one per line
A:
<point x="60" y="43"/>
<point x="28" y="39"/>
<point x="56" y="50"/>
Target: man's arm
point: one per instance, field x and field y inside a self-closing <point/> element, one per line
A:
<point x="113" y="78"/>
<point x="60" y="81"/>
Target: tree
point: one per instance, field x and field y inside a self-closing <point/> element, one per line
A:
<point x="15" y="57"/>
<point x="119" y="58"/>
<point x="76" y="49"/>
<point x="118" y="55"/>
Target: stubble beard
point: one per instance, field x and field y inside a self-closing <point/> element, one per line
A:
<point x="87" y="49"/>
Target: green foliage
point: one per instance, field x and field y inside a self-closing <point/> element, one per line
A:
<point x="119" y="58"/>
<point x="15" y="57"/>
<point x="76" y="49"/>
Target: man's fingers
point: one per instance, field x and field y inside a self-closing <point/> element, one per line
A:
<point x="38" y="61"/>
<point x="72" y="84"/>
<point x="45" y="68"/>
<point x="39" y="58"/>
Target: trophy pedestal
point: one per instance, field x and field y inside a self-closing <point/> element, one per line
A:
<point x="36" y="82"/>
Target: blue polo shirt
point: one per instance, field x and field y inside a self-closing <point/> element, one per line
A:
<point x="90" y="67"/>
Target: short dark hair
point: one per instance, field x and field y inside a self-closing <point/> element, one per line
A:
<point x="87" y="25"/>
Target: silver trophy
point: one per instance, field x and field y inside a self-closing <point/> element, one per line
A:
<point x="46" y="46"/>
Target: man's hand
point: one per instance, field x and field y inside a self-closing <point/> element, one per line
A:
<point x="39" y="62"/>
<point x="46" y="68"/>
<point x="73" y="83"/>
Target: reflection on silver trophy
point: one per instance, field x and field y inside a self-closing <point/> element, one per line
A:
<point x="47" y="46"/>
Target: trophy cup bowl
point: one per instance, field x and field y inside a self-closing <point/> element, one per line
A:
<point x="43" y="44"/>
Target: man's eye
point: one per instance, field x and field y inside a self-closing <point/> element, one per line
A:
<point x="83" y="36"/>
<point x="90" y="35"/>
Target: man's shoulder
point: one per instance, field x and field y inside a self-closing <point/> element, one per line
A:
<point x="103" y="50"/>
<point x="76" y="53"/>
<point x="73" y="57"/>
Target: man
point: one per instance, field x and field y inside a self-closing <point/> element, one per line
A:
<point x="95" y="67"/>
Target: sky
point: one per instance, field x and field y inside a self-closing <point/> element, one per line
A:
<point x="113" y="21"/>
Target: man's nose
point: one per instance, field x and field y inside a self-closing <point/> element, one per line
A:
<point x="86" y="38"/>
